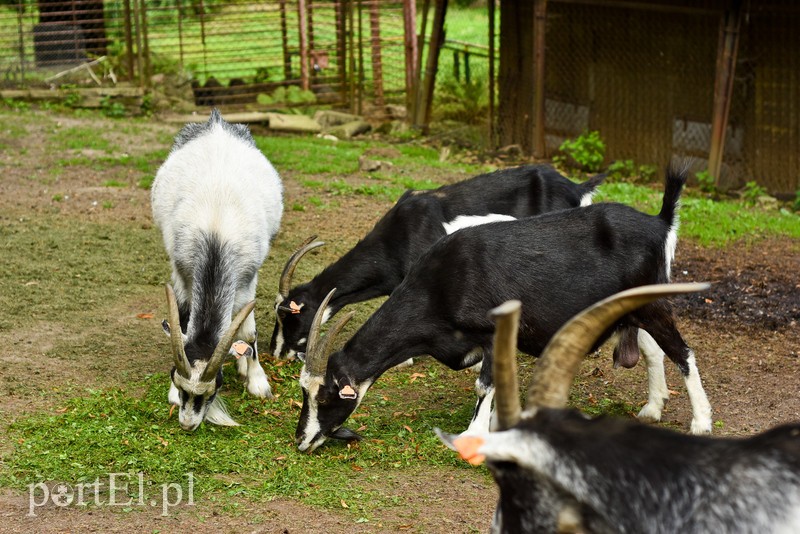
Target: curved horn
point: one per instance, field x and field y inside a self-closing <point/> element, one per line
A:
<point x="224" y="345"/>
<point x="176" y="336"/>
<point x="285" y="283"/>
<point x="332" y="334"/>
<point x="504" y="363"/>
<point x="561" y="358"/>
<point x="316" y="359"/>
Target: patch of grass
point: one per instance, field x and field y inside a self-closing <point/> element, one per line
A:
<point x="114" y="431"/>
<point x="114" y="183"/>
<point x="80" y="138"/>
<point x="145" y="182"/>
<point x="712" y="223"/>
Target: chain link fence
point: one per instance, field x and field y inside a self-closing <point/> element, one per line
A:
<point x="231" y="53"/>
<point x="640" y="73"/>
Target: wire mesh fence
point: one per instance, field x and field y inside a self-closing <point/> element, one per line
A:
<point x="640" y="73"/>
<point x="231" y="52"/>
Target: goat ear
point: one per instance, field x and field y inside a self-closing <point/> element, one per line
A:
<point x="346" y="391"/>
<point x="467" y="447"/>
<point x="242" y="348"/>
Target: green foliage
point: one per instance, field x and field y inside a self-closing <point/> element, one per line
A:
<point x="621" y="168"/>
<point x="752" y="191"/>
<point x="706" y="182"/>
<point x="19" y="105"/>
<point x="710" y="222"/>
<point x="291" y="95"/>
<point x="462" y="101"/>
<point x="145" y="182"/>
<point x="647" y="173"/>
<point x="796" y="203"/>
<point x="72" y="100"/>
<point x="114" y="183"/>
<point x="112" y="108"/>
<point x="586" y="151"/>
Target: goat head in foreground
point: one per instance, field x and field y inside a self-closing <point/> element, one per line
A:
<point x="559" y="471"/>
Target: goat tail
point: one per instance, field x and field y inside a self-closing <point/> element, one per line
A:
<point x="673" y="185"/>
<point x="592" y="183"/>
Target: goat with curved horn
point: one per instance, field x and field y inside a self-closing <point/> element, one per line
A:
<point x="218" y="202"/>
<point x="379" y="262"/>
<point x="285" y="283"/>
<point x="560" y="471"/>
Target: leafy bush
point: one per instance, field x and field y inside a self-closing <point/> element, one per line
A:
<point x="706" y="181"/>
<point x="587" y="151"/>
<point x="752" y="191"/>
<point x="796" y="204"/>
<point x="647" y="172"/>
<point x="621" y="168"/>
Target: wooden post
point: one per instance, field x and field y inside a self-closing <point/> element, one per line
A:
<point x="287" y="58"/>
<point x="417" y="98"/>
<point x="492" y="141"/>
<point x="410" y="39"/>
<point x="377" y="67"/>
<point x="723" y="85"/>
<point x="129" y="39"/>
<point x="539" y="29"/>
<point x="301" y="21"/>
<point x="431" y="66"/>
<point x="341" y="47"/>
<point x="147" y="70"/>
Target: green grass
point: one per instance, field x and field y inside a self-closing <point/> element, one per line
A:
<point x="710" y="222"/>
<point x="115" y="430"/>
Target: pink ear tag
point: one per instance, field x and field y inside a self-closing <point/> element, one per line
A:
<point x="295" y="307"/>
<point x="240" y="347"/>
<point x="347" y="392"/>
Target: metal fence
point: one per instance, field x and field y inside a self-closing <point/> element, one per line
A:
<point x="641" y="73"/>
<point x="231" y="52"/>
<point x="645" y="79"/>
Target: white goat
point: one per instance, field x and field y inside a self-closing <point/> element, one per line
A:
<point x="218" y="202"/>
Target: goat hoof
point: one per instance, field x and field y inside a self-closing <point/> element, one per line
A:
<point x="649" y="414"/>
<point x="259" y="387"/>
<point x="700" y="428"/>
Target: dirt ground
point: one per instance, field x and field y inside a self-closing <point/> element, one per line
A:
<point x="744" y="331"/>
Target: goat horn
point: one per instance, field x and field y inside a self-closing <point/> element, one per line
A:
<point x="176" y="336"/>
<point x="504" y="363"/>
<point x="285" y="284"/>
<point x="561" y="358"/>
<point x="332" y="333"/>
<point x="224" y="345"/>
<point x="316" y="359"/>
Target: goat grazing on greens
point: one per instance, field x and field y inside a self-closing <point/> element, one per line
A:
<point x="557" y="264"/>
<point x="560" y="471"/>
<point x="380" y="261"/>
<point x="218" y="202"/>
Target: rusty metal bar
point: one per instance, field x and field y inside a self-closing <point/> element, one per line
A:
<point x="539" y="29"/>
<point x="377" y="67"/>
<point x="409" y="35"/>
<point x="431" y="66"/>
<point x="730" y="24"/>
<point x="492" y="17"/>
<point x="287" y="58"/>
<point x="303" y="31"/>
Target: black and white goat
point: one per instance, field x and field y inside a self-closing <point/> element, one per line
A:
<point x="380" y="261"/>
<point x="218" y="202"/>
<point x="560" y="471"/>
<point x="556" y="264"/>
